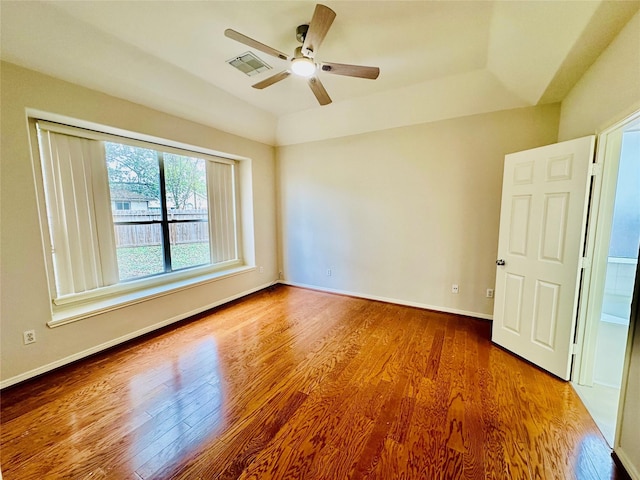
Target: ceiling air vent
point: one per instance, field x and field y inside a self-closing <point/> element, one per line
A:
<point x="248" y="63"/>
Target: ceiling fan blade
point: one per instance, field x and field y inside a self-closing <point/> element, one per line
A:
<point x="239" y="37"/>
<point x="319" y="91"/>
<point x="320" y="23"/>
<point x="271" y="80"/>
<point x="350" y="70"/>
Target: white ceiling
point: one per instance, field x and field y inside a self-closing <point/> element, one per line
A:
<point x="438" y="59"/>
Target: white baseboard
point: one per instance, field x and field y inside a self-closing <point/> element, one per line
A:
<point x="116" y="341"/>
<point x="483" y="316"/>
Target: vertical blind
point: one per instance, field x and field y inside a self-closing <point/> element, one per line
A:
<point x="79" y="212"/>
<point x="222" y="210"/>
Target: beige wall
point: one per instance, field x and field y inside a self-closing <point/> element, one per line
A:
<point x="24" y="294"/>
<point x="606" y="94"/>
<point x="608" y="91"/>
<point x="402" y="214"/>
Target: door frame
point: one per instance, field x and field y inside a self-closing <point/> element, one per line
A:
<point x="599" y="224"/>
<point x="632" y="339"/>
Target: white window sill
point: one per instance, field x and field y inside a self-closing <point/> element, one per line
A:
<point x="74" y="311"/>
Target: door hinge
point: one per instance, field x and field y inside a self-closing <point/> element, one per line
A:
<point x="595" y="169"/>
<point x="585" y="262"/>
<point x="574" y="348"/>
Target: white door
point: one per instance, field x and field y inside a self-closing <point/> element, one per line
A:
<point x="542" y="227"/>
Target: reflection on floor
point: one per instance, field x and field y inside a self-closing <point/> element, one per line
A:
<point x="602" y="403"/>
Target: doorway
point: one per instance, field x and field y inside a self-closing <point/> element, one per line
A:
<point x="608" y="285"/>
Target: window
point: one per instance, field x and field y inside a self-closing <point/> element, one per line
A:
<point x="122" y="212"/>
<point x="175" y="234"/>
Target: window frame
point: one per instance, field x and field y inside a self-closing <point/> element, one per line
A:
<point x="165" y="222"/>
<point x="70" y="308"/>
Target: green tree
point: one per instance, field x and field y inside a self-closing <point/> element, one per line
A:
<point x="133" y="169"/>
<point x="185" y="179"/>
<point x="136" y="170"/>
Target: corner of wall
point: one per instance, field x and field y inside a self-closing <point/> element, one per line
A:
<point x="610" y="89"/>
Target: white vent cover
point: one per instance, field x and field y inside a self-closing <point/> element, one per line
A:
<point x="248" y="63"/>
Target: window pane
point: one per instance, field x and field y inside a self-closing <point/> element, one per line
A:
<point x="189" y="244"/>
<point x="186" y="184"/>
<point x="134" y="185"/>
<point x="139" y="250"/>
<point x="187" y="206"/>
<point x="134" y="180"/>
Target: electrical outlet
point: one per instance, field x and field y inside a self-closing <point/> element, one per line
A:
<point x="328" y="272"/>
<point x="489" y="292"/>
<point x="29" y="336"/>
<point x="454" y="288"/>
<point x="261" y="270"/>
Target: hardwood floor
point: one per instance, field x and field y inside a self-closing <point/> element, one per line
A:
<point x="297" y="384"/>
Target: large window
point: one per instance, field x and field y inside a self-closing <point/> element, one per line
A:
<point x="166" y="225"/>
<point x="121" y="211"/>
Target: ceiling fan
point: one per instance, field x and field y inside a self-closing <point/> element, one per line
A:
<point x="302" y="62"/>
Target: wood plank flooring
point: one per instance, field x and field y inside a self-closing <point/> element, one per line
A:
<point x="297" y="384"/>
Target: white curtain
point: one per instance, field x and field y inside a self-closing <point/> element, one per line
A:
<point x="222" y="219"/>
<point x="79" y="212"/>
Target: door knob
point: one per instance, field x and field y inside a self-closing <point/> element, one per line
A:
<point x="500" y="262"/>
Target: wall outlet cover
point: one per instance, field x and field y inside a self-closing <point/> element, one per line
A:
<point x="29" y="336"/>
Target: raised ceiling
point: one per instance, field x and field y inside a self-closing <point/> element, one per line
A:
<point x="438" y="59"/>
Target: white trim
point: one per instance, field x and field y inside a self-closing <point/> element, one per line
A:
<point x="613" y="319"/>
<point x="424" y="306"/>
<point x="127" y="134"/>
<point x="191" y="275"/>
<point x="627" y="116"/>
<point x="609" y="145"/>
<point x="73" y="313"/>
<point x="130" y="139"/>
<point x="622" y="260"/>
<point x="116" y="341"/>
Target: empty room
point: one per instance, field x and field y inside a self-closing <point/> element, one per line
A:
<point x="300" y="240"/>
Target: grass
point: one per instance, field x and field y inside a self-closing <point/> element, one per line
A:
<point x="136" y="262"/>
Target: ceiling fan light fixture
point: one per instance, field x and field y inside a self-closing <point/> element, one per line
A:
<point x="302" y="63"/>
<point x="303" y="66"/>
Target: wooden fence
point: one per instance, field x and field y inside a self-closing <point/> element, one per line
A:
<point x="151" y="234"/>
